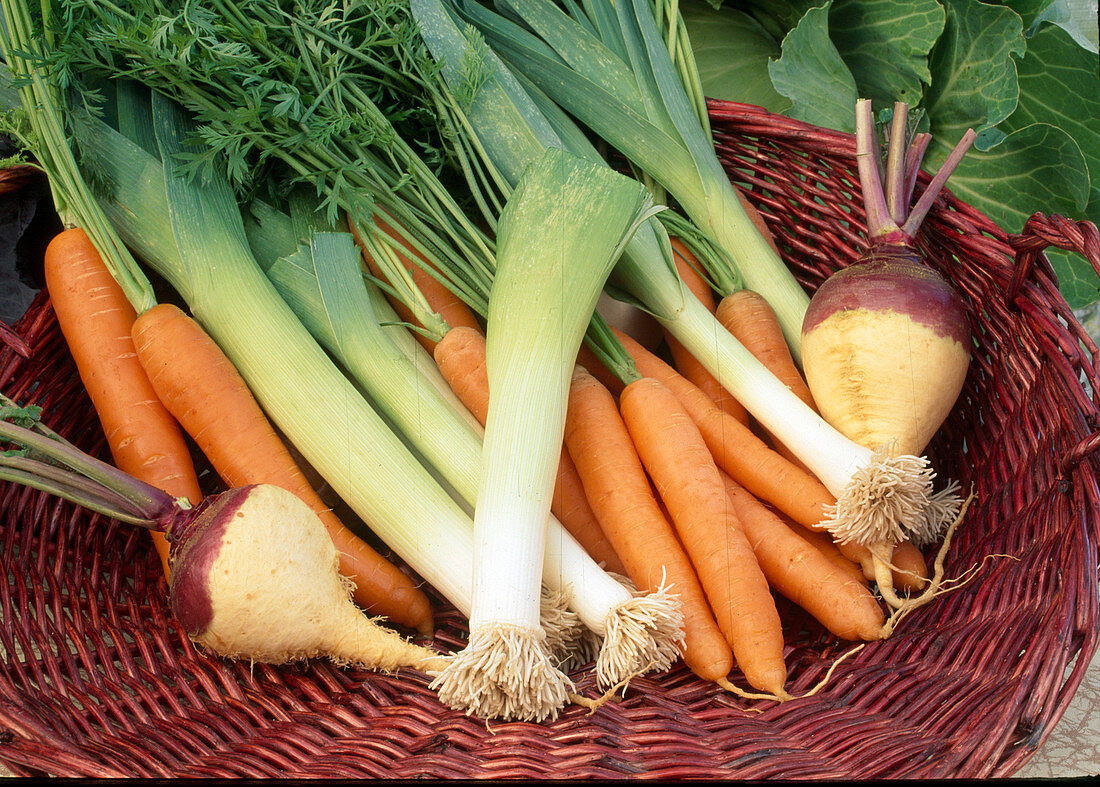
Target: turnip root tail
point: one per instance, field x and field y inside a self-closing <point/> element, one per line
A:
<point x="364" y="642"/>
<point x="937" y="585"/>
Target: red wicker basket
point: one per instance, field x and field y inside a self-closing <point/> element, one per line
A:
<point x="98" y="680"/>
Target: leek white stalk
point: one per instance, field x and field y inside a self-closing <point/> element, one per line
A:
<point x="871" y="488"/>
<point x="559" y="236"/>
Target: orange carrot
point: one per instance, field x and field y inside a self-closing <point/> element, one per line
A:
<point x="753" y="322"/>
<point x="619" y="491"/>
<point x="763" y="471"/>
<point x="676" y="457"/>
<point x="444" y="302"/>
<point x="737" y="450"/>
<point x="570" y="505"/>
<point x="825" y="544"/>
<point x="207" y="395"/>
<point x="460" y="356"/>
<point x="687" y="364"/>
<point x="96" y="318"/>
<point x="911" y="572"/>
<point x="801" y="572"/>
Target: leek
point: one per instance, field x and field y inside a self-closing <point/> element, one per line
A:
<point x="560" y="234"/>
<point x="608" y="67"/>
<point x="871" y="487"/>
<point x="346" y="314"/>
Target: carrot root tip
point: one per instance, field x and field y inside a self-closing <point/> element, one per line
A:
<point x="780" y="695"/>
<point x="595" y="704"/>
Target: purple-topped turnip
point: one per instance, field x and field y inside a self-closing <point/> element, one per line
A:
<point x="254" y="571"/>
<point x="886" y="340"/>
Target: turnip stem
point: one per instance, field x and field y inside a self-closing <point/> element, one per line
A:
<point x="85" y="480"/>
<point x="886" y="202"/>
<point x="879" y="219"/>
<point x="895" y="164"/>
<point x="928" y="196"/>
<point x="914" y="157"/>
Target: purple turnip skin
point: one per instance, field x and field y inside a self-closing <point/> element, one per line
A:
<point x="893" y="278"/>
<point x="195" y="544"/>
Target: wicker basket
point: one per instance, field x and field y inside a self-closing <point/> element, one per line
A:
<point x="98" y="680"/>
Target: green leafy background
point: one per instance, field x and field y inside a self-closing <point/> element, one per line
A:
<point x="1024" y="74"/>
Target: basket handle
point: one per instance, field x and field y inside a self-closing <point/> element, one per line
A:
<point x="1042" y="231"/>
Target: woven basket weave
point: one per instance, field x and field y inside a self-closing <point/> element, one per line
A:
<point x="97" y="679"/>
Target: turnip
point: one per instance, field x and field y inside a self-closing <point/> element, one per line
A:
<point x="886" y="340"/>
<point x="254" y="572"/>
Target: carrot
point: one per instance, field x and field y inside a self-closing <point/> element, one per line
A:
<point x="825" y="544"/>
<point x="207" y="395"/>
<point x="570" y="505"/>
<point x="686" y="363"/>
<point x="911" y="569"/>
<point x="676" y="457"/>
<point x="619" y="491"/>
<point x="445" y="303"/>
<point x="763" y="471"/>
<point x="96" y="318"/>
<point x="460" y="355"/>
<point x="752" y="321"/>
<point x="800" y="571"/>
<point x="737" y="450"/>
